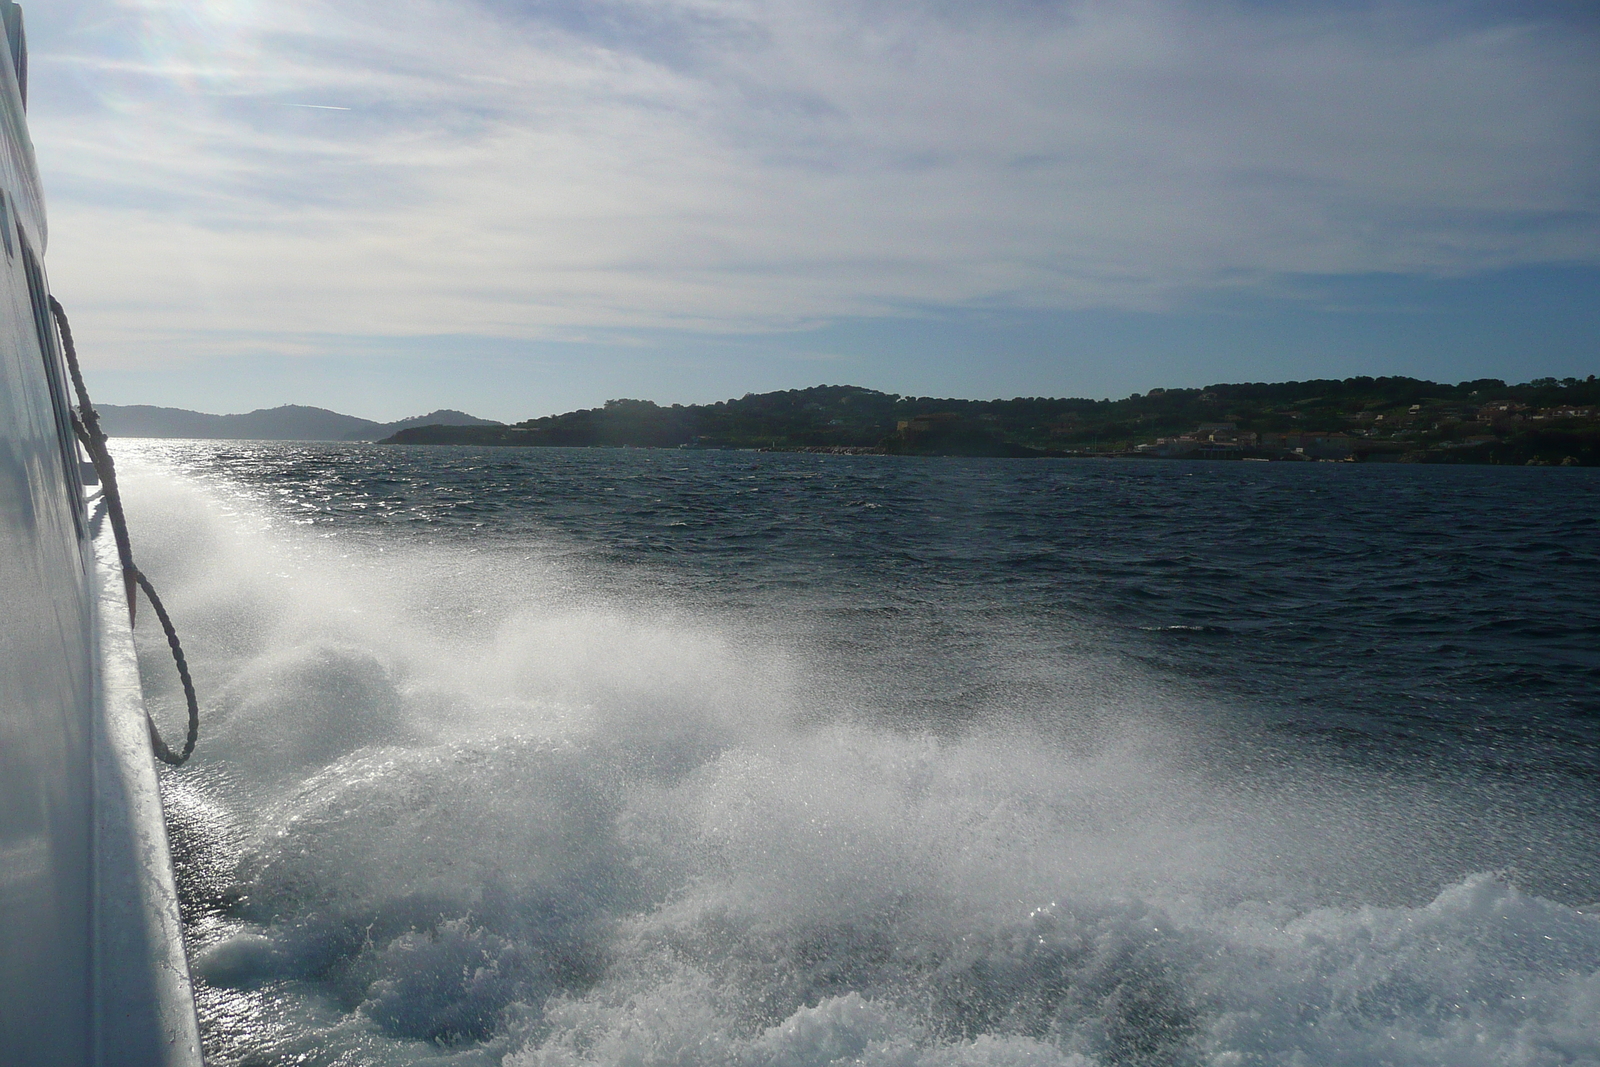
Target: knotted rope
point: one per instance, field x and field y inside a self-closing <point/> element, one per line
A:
<point x="86" y="424"/>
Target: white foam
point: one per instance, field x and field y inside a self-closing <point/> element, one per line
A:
<point x="586" y="832"/>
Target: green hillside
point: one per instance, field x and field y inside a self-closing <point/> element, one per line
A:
<point x="1361" y="418"/>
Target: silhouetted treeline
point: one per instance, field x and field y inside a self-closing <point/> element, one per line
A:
<point x="850" y="417"/>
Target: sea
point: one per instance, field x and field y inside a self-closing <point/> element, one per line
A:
<point x="561" y="757"/>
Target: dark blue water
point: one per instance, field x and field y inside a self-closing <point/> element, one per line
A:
<point x="1395" y="669"/>
<point x="1438" y="613"/>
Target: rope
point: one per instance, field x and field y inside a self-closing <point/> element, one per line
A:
<point x="86" y="424"/>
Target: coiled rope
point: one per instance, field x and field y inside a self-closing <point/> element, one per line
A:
<point x="86" y="424"/>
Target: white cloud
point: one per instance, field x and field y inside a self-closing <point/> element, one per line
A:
<point x="757" y="164"/>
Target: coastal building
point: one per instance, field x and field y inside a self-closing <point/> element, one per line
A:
<point x="1335" y="445"/>
<point x="924" y="423"/>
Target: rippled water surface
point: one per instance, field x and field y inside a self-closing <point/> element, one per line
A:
<point x="624" y="756"/>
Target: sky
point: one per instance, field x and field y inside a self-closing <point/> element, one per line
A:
<point x="521" y="207"/>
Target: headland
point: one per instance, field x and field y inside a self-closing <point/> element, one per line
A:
<point x="1391" y="419"/>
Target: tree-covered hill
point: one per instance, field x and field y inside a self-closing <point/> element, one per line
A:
<point x="1377" y="417"/>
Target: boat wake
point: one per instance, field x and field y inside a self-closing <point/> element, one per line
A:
<point x="536" y="827"/>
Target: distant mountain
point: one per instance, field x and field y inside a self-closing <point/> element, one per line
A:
<point x="442" y="417"/>
<point x="292" y="422"/>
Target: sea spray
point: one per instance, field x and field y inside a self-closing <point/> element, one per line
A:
<point x="552" y="824"/>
